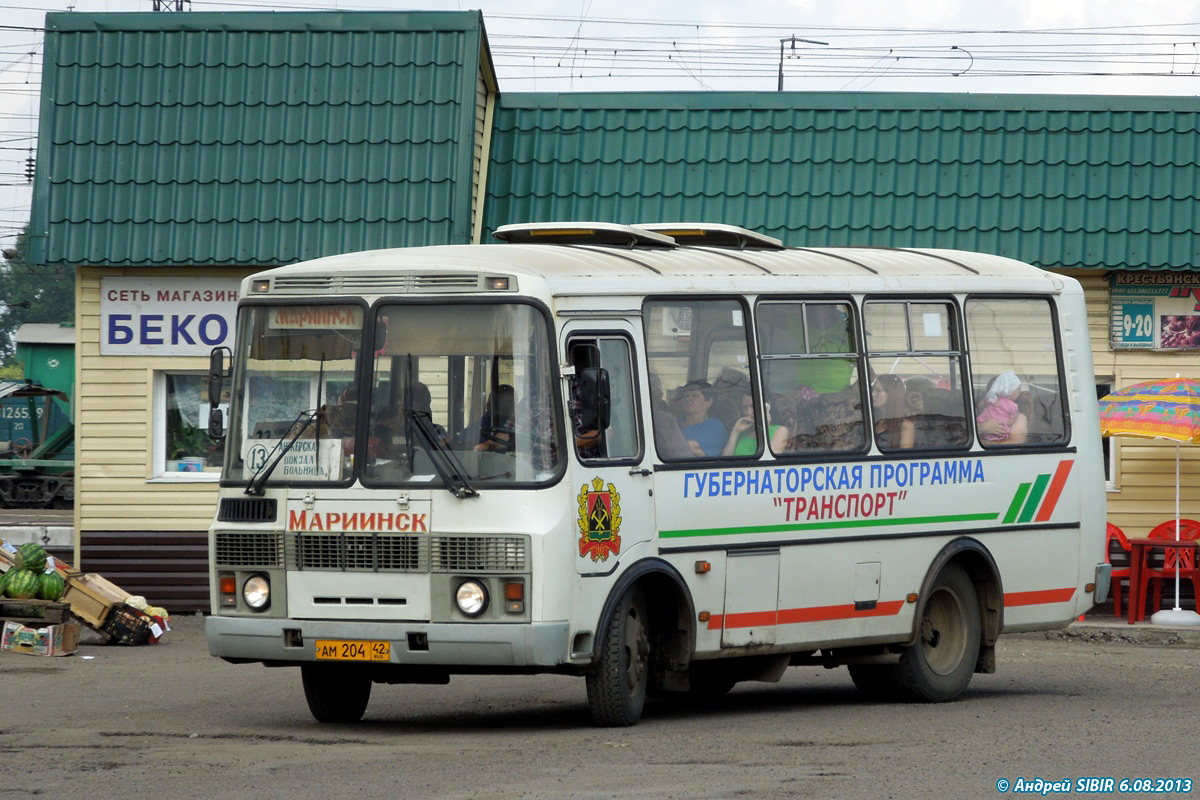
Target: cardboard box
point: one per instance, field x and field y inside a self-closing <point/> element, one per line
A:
<point x="92" y="598"/>
<point x="52" y="640"/>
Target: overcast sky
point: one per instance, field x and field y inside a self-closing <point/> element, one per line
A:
<point x="1148" y="47"/>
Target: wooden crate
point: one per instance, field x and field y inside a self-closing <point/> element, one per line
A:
<point x="91" y="598"/>
<point x="29" y="612"/>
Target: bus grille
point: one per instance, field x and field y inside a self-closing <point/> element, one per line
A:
<point x="373" y="552"/>
<point x="479" y="554"/>
<point x="247" y="509"/>
<point x="303" y="284"/>
<point x="259" y="549"/>
<point x="378" y="284"/>
<point x="358" y="551"/>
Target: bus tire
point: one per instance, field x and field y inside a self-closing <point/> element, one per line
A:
<point x="710" y="680"/>
<point x="871" y="680"/>
<point x="939" y="666"/>
<point x="616" y="685"/>
<point x="336" y="693"/>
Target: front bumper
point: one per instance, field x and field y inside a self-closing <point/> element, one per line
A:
<point x="519" y="646"/>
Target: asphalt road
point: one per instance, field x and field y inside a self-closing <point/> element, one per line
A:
<point x="169" y="721"/>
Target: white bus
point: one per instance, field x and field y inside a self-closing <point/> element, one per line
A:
<point x="663" y="458"/>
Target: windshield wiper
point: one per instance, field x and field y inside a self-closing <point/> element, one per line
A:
<point x="263" y="474"/>
<point x="448" y="467"/>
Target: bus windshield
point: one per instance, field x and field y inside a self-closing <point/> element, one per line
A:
<point x="464" y="387"/>
<point x="294" y="360"/>
<point x="455" y="395"/>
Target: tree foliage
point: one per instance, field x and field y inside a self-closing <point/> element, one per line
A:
<point x="49" y="290"/>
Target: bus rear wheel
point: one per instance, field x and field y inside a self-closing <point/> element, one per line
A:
<point x="616" y="685"/>
<point x="939" y="666"/>
<point x="336" y="693"/>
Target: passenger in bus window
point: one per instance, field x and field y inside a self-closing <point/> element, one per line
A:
<point x="496" y="424"/>
<point x="421" y="402"/>
<point x="893" y="429"/>
<point x="828" y="332"/>
<point x="998" y="417"/>
<point x="705" y="435"/>
<point x="341" y="423"/>
<point x="743" y="435"/>
<point x="668" y="437"/>
<point x="589" y="441"/>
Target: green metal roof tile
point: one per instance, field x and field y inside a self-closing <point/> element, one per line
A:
<point x="1058" y="181"/>
<point x="252" y="138"/>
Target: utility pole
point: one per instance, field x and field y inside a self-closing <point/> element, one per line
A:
<point x="793" y="40"/>
<point x="171" y="5"/>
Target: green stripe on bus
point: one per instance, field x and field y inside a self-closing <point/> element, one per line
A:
<point x="1011" y="515"/>
<point x="814" y="526"/>
<point x="1035" y="497"/>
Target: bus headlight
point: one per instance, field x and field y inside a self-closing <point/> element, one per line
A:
<point x="256" y="591"/>
<point x="472" y="598"/>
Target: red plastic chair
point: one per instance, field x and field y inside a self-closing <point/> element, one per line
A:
<point x="1117" y="553"/>
<point x="1165" y="563"/>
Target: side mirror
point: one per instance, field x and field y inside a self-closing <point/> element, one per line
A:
<point x="216" y="381"/>
<point x="595" y="402"/>
<point x="216" y="374"/>
<point x="216" y="423"/>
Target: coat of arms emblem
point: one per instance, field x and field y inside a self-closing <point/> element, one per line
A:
<point x="599" y="520"/>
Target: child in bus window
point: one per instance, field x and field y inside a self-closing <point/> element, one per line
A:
<point x="999" y="419"/>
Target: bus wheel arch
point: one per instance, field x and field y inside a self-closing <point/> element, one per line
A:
<point x="955" y="627"/>
<point x="652" y="597"/>
<point x="976" y="560"/>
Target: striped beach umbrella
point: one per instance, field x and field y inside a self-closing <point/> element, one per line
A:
<point x="1166" y="409"/>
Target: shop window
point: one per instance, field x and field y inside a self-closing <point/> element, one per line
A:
<point x="183" y="450"/>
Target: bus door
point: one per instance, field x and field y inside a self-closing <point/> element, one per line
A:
<point x="615" y="504"/>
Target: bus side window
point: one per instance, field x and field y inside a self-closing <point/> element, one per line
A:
<point x="913" y="354"/>
<point x="1015" y="372"/>
<point x="698" y="353"/>
<point x="810" y="361"/>
<point x="619" y="440"/>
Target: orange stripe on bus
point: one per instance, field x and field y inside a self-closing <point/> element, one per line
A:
<point x="1055" y="490"/>
<point x="791" y="616"/>
<point x="1039" y="597"/>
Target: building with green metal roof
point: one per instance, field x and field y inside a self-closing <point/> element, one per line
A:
<point x="256" y="138"/>
<point x="1082" y="182"/>
<point x="180" y="152"/>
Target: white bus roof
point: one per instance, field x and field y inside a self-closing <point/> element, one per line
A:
<point x="585" y="269"/>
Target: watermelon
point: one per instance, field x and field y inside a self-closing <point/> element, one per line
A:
<point x="22" y="584"/>
<point x="31" y="556"/>
<point x="50" y="586"/>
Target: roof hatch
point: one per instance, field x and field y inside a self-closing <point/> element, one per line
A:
<point x="708" y="234"/>
<point x="602" y="233"/>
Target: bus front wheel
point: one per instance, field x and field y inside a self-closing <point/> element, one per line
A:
<point x="336" y="693"/>
<point x="616" y="685"/>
